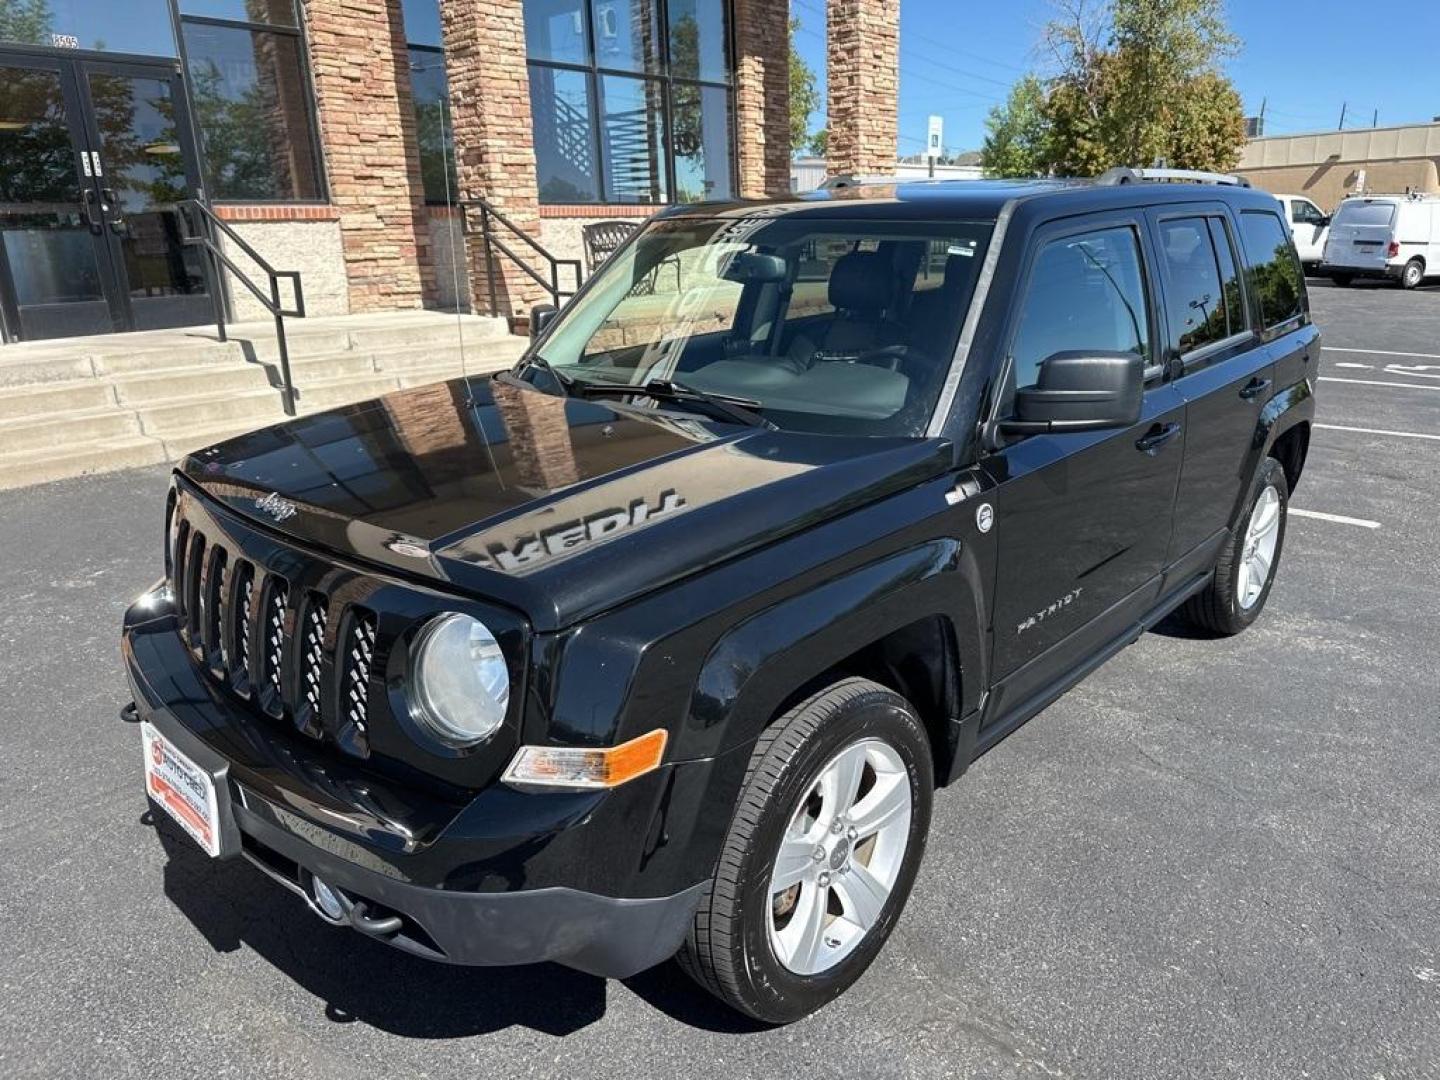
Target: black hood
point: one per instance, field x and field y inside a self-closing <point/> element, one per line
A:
<point x="559" y="507"/>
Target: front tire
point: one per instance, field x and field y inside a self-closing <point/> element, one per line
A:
<point x="821" y="854"/>
<point x="1246" y="568"/>
<point x="1412" y="275"/>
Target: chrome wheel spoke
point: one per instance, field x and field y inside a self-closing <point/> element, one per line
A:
<point x="806" y="932"/>
<point x="862" y="895"/>
<point x="796" y="859"/>
<point x="1262" y="537"/>
<point x="841" y="782"/>
<point x="883" y="803"/>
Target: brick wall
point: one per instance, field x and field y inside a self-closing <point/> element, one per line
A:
<point x="494" y="148"/>
<point x="361" y="71"/>
<point x="762" y="96"/>
<point x="863" y="64"/>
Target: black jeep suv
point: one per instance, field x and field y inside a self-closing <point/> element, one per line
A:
<point x="662" y="641"/>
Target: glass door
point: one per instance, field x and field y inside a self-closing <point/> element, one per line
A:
<point x="95" y="158"/>
<point x="54" y="255"/>
<point x="144" y="168"/>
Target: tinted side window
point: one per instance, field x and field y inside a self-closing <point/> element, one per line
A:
<point x="1236" y="317"/>
<point x="1085" y="292"/>
<point x="1304" y="213"/>
<point x="1279" y="281"/>
<point x="1194" y="298"/>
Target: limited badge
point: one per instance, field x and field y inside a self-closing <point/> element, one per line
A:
<point x="984" y="517"/>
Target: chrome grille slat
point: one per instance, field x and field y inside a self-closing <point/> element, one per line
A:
<point x="359" y="654"/>
<point x="194" y="596"/>
<point x="241" y="622"/>
<point x="312" y="653"/>
<point x="213" y="634"/>
<point x="272" y="629"/>
<point x="177" y="567"/>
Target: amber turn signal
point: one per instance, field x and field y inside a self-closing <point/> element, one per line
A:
<point x="558" y="768"/>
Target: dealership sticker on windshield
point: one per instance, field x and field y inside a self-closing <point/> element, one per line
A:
<point x="182" y="789"/>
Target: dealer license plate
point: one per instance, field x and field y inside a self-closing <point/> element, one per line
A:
<point x="182" y="789"/>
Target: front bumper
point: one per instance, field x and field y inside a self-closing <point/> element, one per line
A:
<point x="434" y="899"/>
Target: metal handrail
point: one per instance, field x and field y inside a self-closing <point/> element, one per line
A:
<point x="203" y="238"/>
<point x="490" y="217"/>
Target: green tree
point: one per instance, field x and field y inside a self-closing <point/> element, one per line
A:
<point x="1139" y="81"/>
<point x="819" y="144"/>
<point x="1017" y="132"/>
<point x="26" y="21"/>
<point x="804" y="95"/>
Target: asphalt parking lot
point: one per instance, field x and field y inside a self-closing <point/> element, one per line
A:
<point x="1212" y="859"/>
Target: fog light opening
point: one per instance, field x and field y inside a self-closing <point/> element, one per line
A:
<point x="329" y="902"/>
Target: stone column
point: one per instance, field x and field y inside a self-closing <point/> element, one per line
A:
<point x="762" y="96"/>
<point x="361" y="70"/>
<point x="494" y="141"/>
<point x="863" y="76"/>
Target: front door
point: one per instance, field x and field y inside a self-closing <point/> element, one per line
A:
<point x="95" y="157"/>
<point x="1082" y="519"/>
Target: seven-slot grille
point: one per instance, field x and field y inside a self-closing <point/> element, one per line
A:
<point x="237" y="619"/>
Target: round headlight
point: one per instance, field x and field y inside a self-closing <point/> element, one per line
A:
<point x="460" y="687"/>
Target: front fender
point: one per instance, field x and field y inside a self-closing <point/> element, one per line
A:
<point x="753" y="670"/>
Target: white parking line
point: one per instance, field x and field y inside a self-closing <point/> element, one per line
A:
<point x="1338" y="519"/>
<point x="1378" y="382"/>
<point x="1381" y="352"/>
<point x="1379" y="431"/>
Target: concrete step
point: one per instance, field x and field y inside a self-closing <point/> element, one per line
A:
<point x="39" y="466"/>
<point x="66" y="429"/>
<point x="55" y="398"/>
<point x="32" y="372"/>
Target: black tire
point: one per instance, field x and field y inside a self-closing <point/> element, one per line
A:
<point x="1413" y="274"/>
<point x="1217" y="607"/>
<point x="1342" y="280"/>
<point x="728" y="950"/>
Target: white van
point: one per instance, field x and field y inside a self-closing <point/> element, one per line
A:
<point x="1394" y="236"/>
<point x="1309" y="225"/>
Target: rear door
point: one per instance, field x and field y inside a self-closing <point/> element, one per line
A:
<point x="1361" y="234"/>
<point x="1082" y="518"/>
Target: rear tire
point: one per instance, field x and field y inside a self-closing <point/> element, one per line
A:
<point x="1342" y="280"/>
<point x="1412" y="275"/>
<point x="742" y="946"/>
<point x="1238" y="591"/>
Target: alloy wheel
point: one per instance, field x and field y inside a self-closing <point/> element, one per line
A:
<point x="1258" y="554"/>
<point x="840" y="857"/>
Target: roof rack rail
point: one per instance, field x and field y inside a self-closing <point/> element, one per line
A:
<point x="1124" y="175"/>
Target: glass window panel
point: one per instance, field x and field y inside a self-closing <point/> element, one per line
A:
<point x="565" y="143"/>
<point x="135" y="26"/>
<point x="252" y="109"/>
<point x="1193" y="298"/>
<point x="632" y="139"/>
<point x="1274" y="266"/>
<point x="627" y="34"/>
<point x="422" y="22"/>
<point x="556" y="30"/>
<point x="698" y="40"/>
<point x="37" y="160"/>
<point x="432" y="123"/>
<point x="701" y="138"/>
<point x="1085" y="292"/>
<point x="271" y="12"/>
<point x="1236" y="319"/>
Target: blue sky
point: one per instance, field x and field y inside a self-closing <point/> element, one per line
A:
<point x="1307" y="59"/>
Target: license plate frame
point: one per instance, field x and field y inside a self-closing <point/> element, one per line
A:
<point x="194" y="795"/>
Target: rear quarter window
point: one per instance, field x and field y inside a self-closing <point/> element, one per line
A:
<point x="1274" y="268"/>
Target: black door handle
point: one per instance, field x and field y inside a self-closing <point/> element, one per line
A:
<point x="1157" y="437"/>
<point x="1254" y="388"/>
<point x="96" y="225"/>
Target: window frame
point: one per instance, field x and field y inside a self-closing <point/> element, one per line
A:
<point x="1196" y="358"/>
<point x="312" y="111"/>
<point x="1157" y="374"/>
<point x="594" y="72"/>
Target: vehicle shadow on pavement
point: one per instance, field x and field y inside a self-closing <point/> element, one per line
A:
<point x="232" y="904"/>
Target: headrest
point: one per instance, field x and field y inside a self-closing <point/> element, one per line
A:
<point x="861" y="282"/>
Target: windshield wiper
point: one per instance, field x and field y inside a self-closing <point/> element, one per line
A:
<point x="740" y="410"/>
<point x="535" y="360"/>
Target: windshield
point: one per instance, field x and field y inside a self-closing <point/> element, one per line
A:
<point x="822" y="326"/>
<point x="1365" y="213"/>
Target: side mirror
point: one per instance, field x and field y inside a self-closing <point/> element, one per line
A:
<point x="541" y="316"/>
<point x="1080" y="391"/>
<point x="1325" y="221"/>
